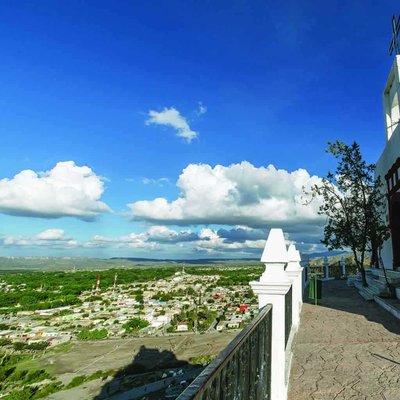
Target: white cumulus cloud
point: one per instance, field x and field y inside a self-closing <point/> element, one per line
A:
<point x="239" y="194"/>
<point x="152" y="238"/>
<point x="171" y="117"/>
<point x="67" y="190"/>
<point x="51" y="234"/>
<point x="211" y="243"/>
<point x="163" y="234"/>
<point x="55" y="238"/>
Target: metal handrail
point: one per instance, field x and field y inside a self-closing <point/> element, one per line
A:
<point x="229" y="376"/>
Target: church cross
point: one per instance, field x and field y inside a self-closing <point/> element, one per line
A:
<point x="394" y="45"/>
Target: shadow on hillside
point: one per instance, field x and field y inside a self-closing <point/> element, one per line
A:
<point x="337" y="295"/>
<point x="138" y="379"/>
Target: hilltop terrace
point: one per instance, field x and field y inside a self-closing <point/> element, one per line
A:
<point x="344" y="348"/>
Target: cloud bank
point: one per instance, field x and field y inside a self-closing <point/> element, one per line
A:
<point x="67" y="190"/>
<point x="54" y="238"/>
<point x="156" y="238"/>
<point x="239" y="194"/>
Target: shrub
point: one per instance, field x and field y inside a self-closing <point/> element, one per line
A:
<point x="46" y="390"/>
<point x="96" y="375"/>
<point x="36" y="376"/>
<point x="135" y="324"/>
<point x="78" y="380"/>
<point x="19" y="346"/>
<point x="20" y="394"/>
<point x="96" y="334"/>
<point x="18" y="375"/>
<point x="38" y="345"/>
<point x="5" y="342"/>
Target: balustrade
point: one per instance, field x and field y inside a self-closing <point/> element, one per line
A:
<point x="256" y="364"/>
<point x="242" y="371"/>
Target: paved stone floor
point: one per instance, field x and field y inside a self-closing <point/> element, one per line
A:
<point x="346" y="348"/>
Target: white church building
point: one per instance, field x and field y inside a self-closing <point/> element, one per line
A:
<point x="388" y="165"/>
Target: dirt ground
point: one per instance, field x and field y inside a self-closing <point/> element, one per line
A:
<point x="87" y="357"/>
<point x="84" y="358"/>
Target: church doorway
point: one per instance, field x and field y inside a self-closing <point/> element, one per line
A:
<point x="395" y="227"/>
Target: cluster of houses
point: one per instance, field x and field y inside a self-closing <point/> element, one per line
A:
<point x="112" y="308"/>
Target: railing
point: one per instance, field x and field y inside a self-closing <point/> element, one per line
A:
<point x="242" y="371"/>
<point x="306" y="266"/>
<point x="288" y="314"/>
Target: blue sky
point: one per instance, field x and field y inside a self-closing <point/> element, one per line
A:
<point x="179" y="129"/>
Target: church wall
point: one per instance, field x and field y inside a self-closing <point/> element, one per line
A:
<point x="387" y="159"/>
<point x="392" y="149"/>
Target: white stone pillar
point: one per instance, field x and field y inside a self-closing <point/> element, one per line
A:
<point x="343" y="266"/>
<point x="326" y="267"/>
<point x="271" y="289"/>
<point x="294" y="272"/>
<point x="326" y="270"/>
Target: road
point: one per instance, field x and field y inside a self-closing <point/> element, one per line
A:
<point x="141" y="391"/>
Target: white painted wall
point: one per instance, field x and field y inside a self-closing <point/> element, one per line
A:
<point x="391" y="152"/>
<point x="391" y="96"/>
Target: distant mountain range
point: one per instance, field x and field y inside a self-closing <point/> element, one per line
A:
<point x="91" y="264"/>
<point x="214" y="260"/>
<point x="327" y="254"/>
<point x="183" y="261"/>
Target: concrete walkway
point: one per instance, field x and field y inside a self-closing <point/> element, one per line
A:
<point x="346" y="348"/>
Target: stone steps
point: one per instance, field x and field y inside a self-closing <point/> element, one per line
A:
<point x="378" y="287"/>
<point x="377" y="284"/>
<point x="351" y="279"/>
<point x="365" y="292"/>
<point x="391" y="305"/>
<point x="393" y="276"/>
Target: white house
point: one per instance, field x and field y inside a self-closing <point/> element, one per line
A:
<point x="182" y="327"/>
<point x="388" y="165"/>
